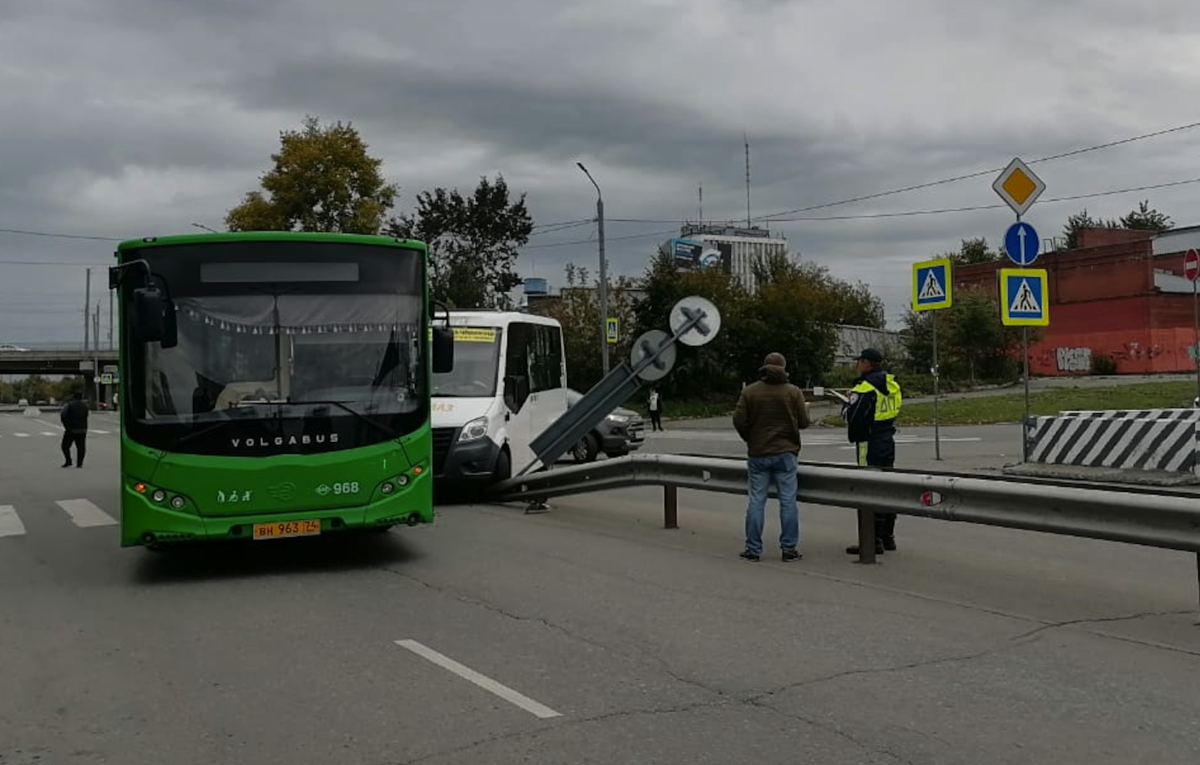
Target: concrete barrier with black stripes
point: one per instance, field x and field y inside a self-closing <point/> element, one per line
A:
<point x="1158" y="440"/>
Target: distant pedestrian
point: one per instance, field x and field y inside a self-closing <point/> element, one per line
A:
<point x="870" y="415"/>
<point x="74" y="416"/>
<point x="769" y="416"/>
<point x="655" y="406"/>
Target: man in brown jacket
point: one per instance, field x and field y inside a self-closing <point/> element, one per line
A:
<point x="769" y="417"/>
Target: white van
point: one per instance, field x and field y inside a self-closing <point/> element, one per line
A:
<point x="509" y="383"/>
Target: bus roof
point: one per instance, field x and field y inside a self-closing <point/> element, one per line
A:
<point x="499" y="319"/>
<point x="269" y="236"/>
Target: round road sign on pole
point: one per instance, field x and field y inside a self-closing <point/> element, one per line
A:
<point x="647" y="345"/>
<point x="687" y="309"/>
<point x="1191" y="265"/>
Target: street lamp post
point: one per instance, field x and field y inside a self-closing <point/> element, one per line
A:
<point x="603" y="270"/>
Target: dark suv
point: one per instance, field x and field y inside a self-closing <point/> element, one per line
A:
<point x="618" y="434"/>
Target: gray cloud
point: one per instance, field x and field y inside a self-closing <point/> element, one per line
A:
<point x="141" y="116"/>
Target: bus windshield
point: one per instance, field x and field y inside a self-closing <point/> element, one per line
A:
<point x="476" y="364"/>
<point x="282" y="347"/>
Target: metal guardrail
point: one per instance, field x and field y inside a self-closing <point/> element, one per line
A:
<point x="1167" y="520"/>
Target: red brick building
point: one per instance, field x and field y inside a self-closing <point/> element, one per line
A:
<point x="1120" y="294"/>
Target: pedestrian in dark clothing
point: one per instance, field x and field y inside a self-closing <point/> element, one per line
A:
<point x="74" y="418"/>
<point x="870" y="415"/>
<point x="655" y="406"/>
<point x="769" y="417"/>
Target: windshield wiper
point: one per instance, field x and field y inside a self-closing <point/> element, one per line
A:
<point x="218" y="425"/>
<point x="368" y="420"/>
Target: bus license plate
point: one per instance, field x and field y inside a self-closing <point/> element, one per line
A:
<point x="284" y="529"/>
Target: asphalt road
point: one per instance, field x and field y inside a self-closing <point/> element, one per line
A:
<point x="584" y="635"/>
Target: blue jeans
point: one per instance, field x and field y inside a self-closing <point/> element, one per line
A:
<point x="778" y="470"/>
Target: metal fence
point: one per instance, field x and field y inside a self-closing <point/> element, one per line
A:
<point x="1162" y="519"/>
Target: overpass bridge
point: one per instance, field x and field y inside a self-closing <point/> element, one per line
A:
<point x="65" y="362"/>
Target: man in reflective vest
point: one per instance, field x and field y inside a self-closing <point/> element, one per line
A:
<point x="870" y="415"/>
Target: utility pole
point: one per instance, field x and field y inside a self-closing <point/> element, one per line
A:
<point x="87" y="311"/>
<point x="111" y="297"/>
<point x="603" y="270"/>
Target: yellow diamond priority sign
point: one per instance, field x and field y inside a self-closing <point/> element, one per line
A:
<point x="1018" y="186"/>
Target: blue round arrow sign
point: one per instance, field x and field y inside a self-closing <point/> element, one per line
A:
<point x="1022" y="243"/>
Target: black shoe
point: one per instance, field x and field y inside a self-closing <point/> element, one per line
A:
<point x="791" y="555"/>
<point x="67" y="464"/>
<point x="853" y="549"/>
<point x="748" y="555"/>
<point x="889" y="543"/>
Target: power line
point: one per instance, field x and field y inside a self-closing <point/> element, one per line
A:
<point x="57" y="235"/>
<point x="947" y="210"/>
<point x="902" y="213"/>
<point x="607" y="239"/>
<point x="955" y="179"/>
<point x="562" y="225"/>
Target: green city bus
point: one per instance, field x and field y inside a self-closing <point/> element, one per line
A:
<point x="274" y="384"/>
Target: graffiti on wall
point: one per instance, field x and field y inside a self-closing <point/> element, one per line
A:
<point x="1074" y="359"/>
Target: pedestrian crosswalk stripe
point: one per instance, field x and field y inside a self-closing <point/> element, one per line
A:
<point x="10" y="522"/>
<point x="48" y="433"/>
<point x="84" y="513"/>
<point x="21" y="435"/>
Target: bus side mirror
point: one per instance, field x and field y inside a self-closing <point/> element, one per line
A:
<point x="154" y="318"/>
<point x="148" y="315"/>
<point x="443" y="350"/>
<point x="516" y="392"/>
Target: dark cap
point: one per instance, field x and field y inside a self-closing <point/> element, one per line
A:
<point x="870" y="354"/>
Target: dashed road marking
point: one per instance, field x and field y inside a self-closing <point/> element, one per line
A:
<point x="488" y="684"/>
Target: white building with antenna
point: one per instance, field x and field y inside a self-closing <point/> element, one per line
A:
<point x="735" y="249"/>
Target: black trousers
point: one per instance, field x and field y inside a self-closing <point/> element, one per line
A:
<point x="656" y="420"/>
<point x="80" y="441"/>
<point x="880" y="451"/>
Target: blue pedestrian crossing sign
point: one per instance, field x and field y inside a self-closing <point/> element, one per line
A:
<point x="613" y="330"/>
<point x="931" y="285"/>
<point x="1024" y="301"/>
<point x="1021" y="243"/>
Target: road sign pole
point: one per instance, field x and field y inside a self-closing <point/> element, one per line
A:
<point x="937" y="433"/>
<point x="1196" y="334"/>
<point x="932" y="292"/>
<point x="1025" y="419"/>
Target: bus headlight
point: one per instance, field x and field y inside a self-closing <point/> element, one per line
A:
<point x="474" y="430"/>
<point x="159" y="495"/>
<point x="178" y="502"/>
<point x="402" y="480"/>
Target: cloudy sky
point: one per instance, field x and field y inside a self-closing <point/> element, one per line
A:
<point x="122" y="118"/>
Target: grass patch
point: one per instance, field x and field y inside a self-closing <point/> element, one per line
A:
<point x="1010" y="407"/>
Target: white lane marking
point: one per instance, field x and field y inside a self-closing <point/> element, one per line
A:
<point x="10" y="522"/>
<point x="100" y="432"/>
<point x="84" y="514"/>
<point x="488" y="684"/>
<point x="48" y="433"/>
<point x="21" y="435"/>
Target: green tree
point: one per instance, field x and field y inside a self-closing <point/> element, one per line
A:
<point x="1145" y="218"/>
<point x="473" y="241"/>
<point x="973" y="251"/>
<point x="973" y="344"/>
<point x="1080" y="221"/>
<point x="578" y="310"/>
<point x="323" y="179"/>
